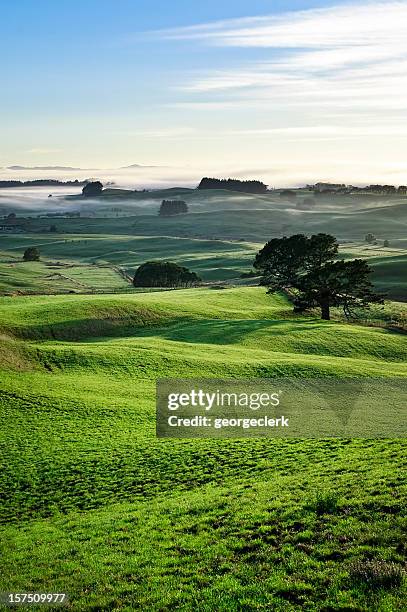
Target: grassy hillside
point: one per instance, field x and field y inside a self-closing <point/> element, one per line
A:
<point x="46" y="277"/>
<point x="102" y="256"/>
<point x="95" y="505"/>
<point x="218" y="238"/>
<point x="211" y="259"/>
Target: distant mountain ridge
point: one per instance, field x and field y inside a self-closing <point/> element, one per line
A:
<point x="47" y="168"/>
<point x="74" y="168"/>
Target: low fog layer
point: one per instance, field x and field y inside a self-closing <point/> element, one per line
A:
<point x="153" y="177"/>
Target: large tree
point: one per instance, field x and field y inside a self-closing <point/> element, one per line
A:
<point x="92" y="189"/>
<point x="306" y="268"/>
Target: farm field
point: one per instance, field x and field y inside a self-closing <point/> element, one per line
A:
<point x="97" y="506"/>
<point x="218" y="239"/>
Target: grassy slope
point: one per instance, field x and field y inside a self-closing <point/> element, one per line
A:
<point x="389" y="266"/>
<point x="211" y="259"/>
<point x="49" y="277"/>
<point x="218" y="238"/>
<point x="229" y="525"/>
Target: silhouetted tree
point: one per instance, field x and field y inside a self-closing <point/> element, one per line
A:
<point x="164" y="274"/>
<point x="92" y="189"/>
<point x="386" y="243"/>
<point x="233" y="185"/>
<point x="169" y="208"/>
<point x="370" y="238"/>
<point x="31" y="254"/>
<point x="53" y="228"/>
<point x="305" y="267"/>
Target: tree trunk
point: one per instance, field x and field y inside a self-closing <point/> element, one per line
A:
<point x="325" y="314"/>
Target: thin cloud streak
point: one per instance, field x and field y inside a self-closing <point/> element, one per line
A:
<point x="349" y="61"/>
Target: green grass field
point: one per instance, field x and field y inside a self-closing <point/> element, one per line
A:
<point x="95" y="505"/>
<point x="217" y="239"/>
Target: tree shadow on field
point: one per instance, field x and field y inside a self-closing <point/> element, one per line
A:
<point x="229" y="331"/>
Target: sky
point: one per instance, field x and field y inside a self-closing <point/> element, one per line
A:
<point x="287" y="92"/>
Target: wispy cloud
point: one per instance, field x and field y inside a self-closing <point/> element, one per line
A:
<point x="343" y="59"/>
<point x="368" y="23"/>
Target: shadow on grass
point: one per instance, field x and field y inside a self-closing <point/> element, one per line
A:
<point x="229" y="331"/>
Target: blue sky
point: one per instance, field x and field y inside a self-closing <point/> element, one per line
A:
<point x="288" y="91"/>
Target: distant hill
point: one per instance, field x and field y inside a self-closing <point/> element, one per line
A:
<point x="136" y="166"/>
<point x="47" y="168"/>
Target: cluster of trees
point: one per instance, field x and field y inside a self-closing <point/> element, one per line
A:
<point x="305" y="267"/>
<point x="92" y="189"/>
<point x="340" y="188"/>
<point x="164" y="274"/>
<point x="326" y="188"/>
<point x="40" y="183"/>
<point x="31" y="254"/>
<point x="233" y="185"/>
<point x="172" y="207"/>
<point x="383" y="189"/>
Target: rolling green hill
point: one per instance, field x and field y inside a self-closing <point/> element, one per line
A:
<point x="95" y="505"/>
<point x="217" y="238"/>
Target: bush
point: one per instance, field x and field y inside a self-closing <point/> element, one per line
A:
<point x="31" y="254"/>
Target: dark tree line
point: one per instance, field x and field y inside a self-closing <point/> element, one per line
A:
<point x="233" y="185"/>
<point x="164" y="274"/>
<point x="41" y="183"/>
<point x="306" y="268"/>
<point x="169" y="208"/>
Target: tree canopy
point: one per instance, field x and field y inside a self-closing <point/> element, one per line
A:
<point x="305" y="266"/>
<point x="92" y="189"/>
<point x="164" y="274"/>
<point x="233" y="185"/>
<point x="31" y="254"/>
<point x="169" y="208"/>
